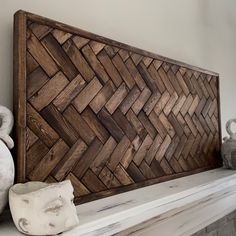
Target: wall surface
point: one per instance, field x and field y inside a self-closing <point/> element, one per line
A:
<point x="198" y="32"/>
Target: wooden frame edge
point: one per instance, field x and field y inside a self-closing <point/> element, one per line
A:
<point x="75" y="30"/>
<point x="19" y="97"/>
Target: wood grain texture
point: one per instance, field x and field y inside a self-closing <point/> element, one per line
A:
<point x="107" y="116"/>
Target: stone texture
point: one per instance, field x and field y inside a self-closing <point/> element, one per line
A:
<point x="225" y="226"/>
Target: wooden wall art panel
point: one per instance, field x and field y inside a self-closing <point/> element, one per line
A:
<point x="107" y="116"/>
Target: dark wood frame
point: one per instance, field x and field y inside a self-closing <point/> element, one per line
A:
<point x="20" y="26"/>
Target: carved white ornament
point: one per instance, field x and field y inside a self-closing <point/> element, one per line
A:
<point x="228" y="150"/>
<point x="39" y="208"/>
<point x="7" y="170"/>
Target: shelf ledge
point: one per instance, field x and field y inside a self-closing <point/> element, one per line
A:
<point x="177" y="207"/>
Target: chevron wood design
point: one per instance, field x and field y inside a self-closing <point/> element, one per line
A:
<point x="110" y="119"/>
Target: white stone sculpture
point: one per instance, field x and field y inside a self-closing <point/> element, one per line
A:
<point x="43" y="209"/>
<point x="228" y="150"/>
<point x="7" y="170"/>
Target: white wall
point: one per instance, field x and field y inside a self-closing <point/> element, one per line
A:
<point x="199" y="32"/>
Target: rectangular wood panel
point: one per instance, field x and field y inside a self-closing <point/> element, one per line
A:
<point x="107" y="116"/>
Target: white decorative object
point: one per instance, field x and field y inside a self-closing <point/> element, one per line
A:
<point x="228" y="150"/>
<point x="43" y="209"/>
<point x="7" y="170"/>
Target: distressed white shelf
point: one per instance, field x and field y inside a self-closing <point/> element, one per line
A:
<point x="177" y="207"/>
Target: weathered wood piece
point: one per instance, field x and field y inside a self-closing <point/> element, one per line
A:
<point x="107" y="116"/>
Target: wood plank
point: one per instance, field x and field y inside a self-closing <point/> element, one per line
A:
<point x="79" y="124"/>
<point x="153" y="149"/>
<point x="95" y="64"/>
<point x="103" y="155"/>
<point x="60" y="124"/>
<point x="40" y="127"/>
<point x="108" y="178"/>
<point x="110" y="124"/>
<point x="63" y="100"/>
<point x="141" y="153"/>
<point x="41" y="55"/>
<point x="124" y="124"/>
<point x="135" y="74"/>
<point x="162" y="149"/>
<point x="79" y="188"/>
<point x="130" y="152"/>
<point x="117" y="98"/>
<point x="59" y="56"/>
<point x="102" y="97"/>
<point x="140" y="102"/>
<point x="61" y="36"/>
<point x="129" y="100"/>
<point x="110" y="68"/>
<point x="35" y="154"/>
<point x="92" y="182"/>
<point x="47" y="164"/>
<point x="94" y="123"/>
<point x="126" y="76"/>
<point x="69" y="160"/>
<point x="35" y="81"/>
<point x="43" y="98"/>
<point x="135" y="173"/>
<point x="118" y="153"/>
<point x="87" y="94"/>
<point x="147" y="124"/>
<point x="147" y="77"/>
<point x="123" y="176"/>
<point x="78" y="60"/>
<point x="87" y="158"/>
<point x="141" y="131"/>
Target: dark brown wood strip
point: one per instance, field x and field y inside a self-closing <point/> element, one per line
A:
<point x="141" y="131"/>
<point x="141" y="153"/>
<point x="43" y="98"/>
<point x="41" y="55"/>
<point x="108" y="178"/>
<point x="95" y="64"/>
<point x="87" y="94"/>
<point x="50" y="160"/>
<point x="94" y="123"/>
<point x="110" y="68"/>
<point x="40" y="127"/>
<point x="110" y="124"/>
<point x="78" y="60"/>
<point x="35" y="81"/>
<point x="60" y="124"/>
<point x="79" y="124"/>
<point x="147" y="124"/>
<point x="126" y="76"/>
<point x="69" y="160"/>
<point x="69" y="93"/>
<point x="153" y="149"/>
<point x="118" y="153"/>
<point x="92" y="182"/>
<point x="117" y="98"/>
<point x="135" y="173"/>
<point x="87" y="158"/>
<point x="102" y="97"/>
<point x="129" y="100"/>
<point x="103" y="155"/>
<point x="124" y="124"/>
<point x="59" y="56"/>
<point x="135" y="74"/>
<point x="140" y="102"/>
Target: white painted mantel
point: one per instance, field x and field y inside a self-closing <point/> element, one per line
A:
<point x="177" y="207"/>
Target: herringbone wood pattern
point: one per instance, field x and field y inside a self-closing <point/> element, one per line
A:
<point x="105" y="117"/>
